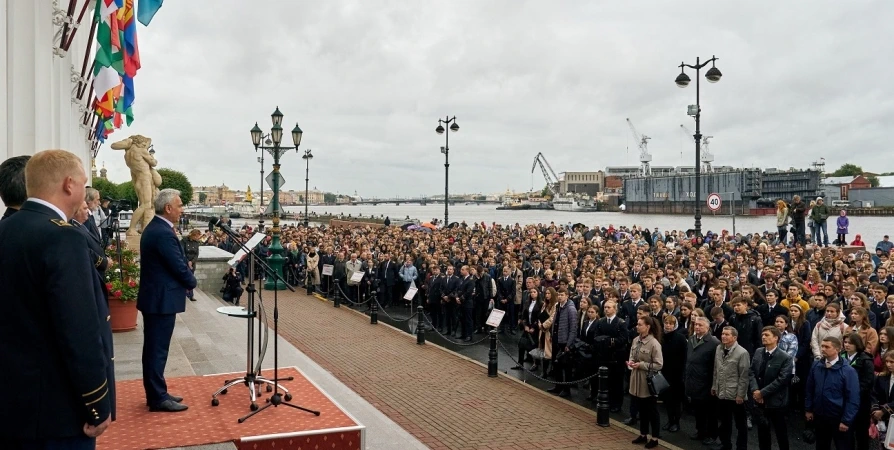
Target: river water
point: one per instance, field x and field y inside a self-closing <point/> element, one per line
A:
<point x="871" y="228"/>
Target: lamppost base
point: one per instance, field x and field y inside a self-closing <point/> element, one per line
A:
<point x="274" y="285"/>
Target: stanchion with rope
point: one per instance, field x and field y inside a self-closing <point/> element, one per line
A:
<point x="336" y="302"/>
<point x="560" y="383"/>
<point x="602" y="407"/>
<point x="374" y="313"/>
<point x="420" y="326"/>
<point x="492" y="355"/>
<point x="450" y="340"/>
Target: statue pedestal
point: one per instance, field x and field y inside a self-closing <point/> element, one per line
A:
<point x="133" y="242"/>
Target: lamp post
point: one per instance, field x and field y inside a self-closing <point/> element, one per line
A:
<point x="257" y="130"/>
<point x="276" y="259"/>
<point x="446" y="151"/>
<point x="712" y="75"/>
<point x="307" y="157"/>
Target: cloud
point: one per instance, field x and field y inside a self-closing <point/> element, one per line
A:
<point x="368" y="81"/>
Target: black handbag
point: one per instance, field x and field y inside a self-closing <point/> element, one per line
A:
<point x="656" y="382"/>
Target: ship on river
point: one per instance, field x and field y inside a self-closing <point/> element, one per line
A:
<point x="746" y="191"/>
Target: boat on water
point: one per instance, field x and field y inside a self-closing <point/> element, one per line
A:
<point x="571" y="203"/>
<point x="510" y="204"/>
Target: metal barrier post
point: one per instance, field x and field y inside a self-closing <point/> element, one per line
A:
<point x="329" y="292"/>
<point x="420" y="325"/>
<point x="492" y="355"/>
<point x="602" y="408"/>
<point x="336" y="302"/>
<point x="374" y="312"/>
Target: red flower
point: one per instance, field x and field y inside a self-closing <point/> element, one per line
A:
<point x="117" y="293"/>
<point x="132" y="283"/>
<point x="109" y="286"/>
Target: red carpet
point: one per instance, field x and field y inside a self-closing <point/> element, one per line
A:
<point x="280" y="428"/>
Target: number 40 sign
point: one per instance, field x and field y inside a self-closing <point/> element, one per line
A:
<point x="713" y="201"/>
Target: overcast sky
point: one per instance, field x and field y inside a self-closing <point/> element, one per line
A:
<point x="368" y="80"/>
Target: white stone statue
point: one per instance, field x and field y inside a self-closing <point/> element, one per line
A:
<point x="146" y="179"/>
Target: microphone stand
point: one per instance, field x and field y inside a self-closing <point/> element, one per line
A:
<point x="253" y="375"/>
<point x="276" y="399"/>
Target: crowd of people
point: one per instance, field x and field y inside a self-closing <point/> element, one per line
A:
<point x="706" y="312"/>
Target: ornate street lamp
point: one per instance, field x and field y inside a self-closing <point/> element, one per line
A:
<point x="446" y="151"/>
<point x="713" y="75"/>
<point x="306" y="157"/>
<point x="276" y="180"/>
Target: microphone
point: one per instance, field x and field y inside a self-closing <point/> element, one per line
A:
<point x="225" y="227"/>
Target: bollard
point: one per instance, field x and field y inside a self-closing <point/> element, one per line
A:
<point x="602" y="408"/>
<point x="336" y="302"/>
<point x="374" y="312"/>
<point x="329" y="292"/>
<point x="310" y="287"/>
<point x="492" y="355"/>
<point x="420" y="325"/>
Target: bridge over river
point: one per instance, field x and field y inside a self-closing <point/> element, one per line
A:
<point x="419" y="200"/>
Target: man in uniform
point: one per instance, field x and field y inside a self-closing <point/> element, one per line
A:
<point x="50" y="332"/>
<point x="12" y="184"/>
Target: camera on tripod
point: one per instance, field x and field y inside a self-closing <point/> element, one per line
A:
<point x="116" y="206"/>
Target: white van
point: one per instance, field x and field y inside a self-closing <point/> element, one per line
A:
<point x="124" y="219"/>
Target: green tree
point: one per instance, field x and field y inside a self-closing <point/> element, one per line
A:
<point x="329" y="198"/>
<point x="202" y="197"/>
<point x="873" y="180"/>
<point x="174" y="179"/>
<point x="127" y="192"/>
<point x="848" y="170"/>
<point x="106" y="188"/>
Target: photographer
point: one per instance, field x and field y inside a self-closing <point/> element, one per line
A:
<point x="232" y="290"/>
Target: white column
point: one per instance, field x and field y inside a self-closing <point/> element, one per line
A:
<point x="4" y="79"/>
<point x="21" y="79"/>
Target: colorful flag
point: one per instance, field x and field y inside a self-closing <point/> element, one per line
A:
<point x="115" y="66"/>
<point x="146" y="10"/>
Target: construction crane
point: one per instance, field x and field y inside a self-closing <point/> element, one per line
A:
<point x="707" y="156"/>
<point x="645" y="158"/>
<point x="552" y="181"/>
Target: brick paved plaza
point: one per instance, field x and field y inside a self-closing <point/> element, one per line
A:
<point x="443" y="399"/>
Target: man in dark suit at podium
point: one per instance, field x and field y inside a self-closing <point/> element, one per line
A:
<point x="164" y="280"/>
<point x="50" y="329"/>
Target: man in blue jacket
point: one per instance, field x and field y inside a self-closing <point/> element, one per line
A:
<point x="164" y="280"/>
<point x="832" y="398"/>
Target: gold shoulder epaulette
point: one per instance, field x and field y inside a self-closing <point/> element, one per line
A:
<point x="60" y="222"/>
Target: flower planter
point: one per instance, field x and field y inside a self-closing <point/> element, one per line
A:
<point x="124" y="315"/>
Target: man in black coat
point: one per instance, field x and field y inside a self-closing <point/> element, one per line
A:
<point x="506" y="301"/>
<point x="51" y="332"/>
<point x="611" y="343"/>
<point x="436" y="285"/>
<point x="748" y="324"/>
<point x="700" y="351"/>
<point x="771" y="310"/>
<point x="771" y="374"/>
<point x="465" y="296"/>
<point x="12" y="184"/>
<point x="387" y="278"/>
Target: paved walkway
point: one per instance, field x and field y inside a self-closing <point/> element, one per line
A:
<point x="206" y="342"/>
<point x="445" y="400"/>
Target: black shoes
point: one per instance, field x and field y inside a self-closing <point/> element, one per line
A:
<point x="168" y="406"/>
<point x="652" y="444"/>
<point x="516" y="368"/>
<point x="640" y="440"/>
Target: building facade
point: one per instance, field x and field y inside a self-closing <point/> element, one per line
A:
<point x="40" y="105"/>
<point x="589" y="183"/>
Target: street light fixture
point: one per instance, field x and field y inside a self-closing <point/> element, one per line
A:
<point x="307" y="157"/>
<point x="276" y="150"/>
<point x="446" y="151"/>
<point x="712" y="75"/>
